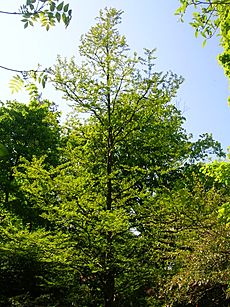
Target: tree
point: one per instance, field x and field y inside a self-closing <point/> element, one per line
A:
<point x="28" y="246"/>
<point x="27" y="131"/>
<point x="34" y="265"/>
<point x="211" y="17"/>
<point x="199" y="261"/>
<point x="124" y="141"/>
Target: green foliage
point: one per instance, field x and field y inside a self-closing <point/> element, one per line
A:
<point x="29" y="265"/>
<point x="201" y="267"/>
<point x="30" y="81"/>
<point x="32" y="266"/>
<point x="46" y="12"/>
<point x="193" y="241"/>
<point x="210" y="18"/>
<point x="3" y="151"/>
<point x="205" y="18"/>
<point x="26" y="131"/>
<point x="220" y="172"/>
<point x="16" y="84"/>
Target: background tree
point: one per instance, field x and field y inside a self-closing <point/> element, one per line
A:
<point x="28" y="260"/>
<point x="27" y="131"/>
<point x="199" y="258"/>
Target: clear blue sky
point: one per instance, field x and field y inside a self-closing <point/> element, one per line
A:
<point x="146" y="23"/>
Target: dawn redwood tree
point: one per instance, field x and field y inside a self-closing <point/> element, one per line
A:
<point x="122" y="102"/>
<point x="131" y="136"/>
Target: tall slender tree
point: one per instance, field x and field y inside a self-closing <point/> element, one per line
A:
<point x="131" y="136"/>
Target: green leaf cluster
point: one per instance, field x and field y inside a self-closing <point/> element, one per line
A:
<point x="210" y="18"/>
<point x="47" y="13"/>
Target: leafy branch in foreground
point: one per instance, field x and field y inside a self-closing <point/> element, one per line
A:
<point x="209" y="18"/>
<point x="28" y="79"/>
<point x="46" y="12"/>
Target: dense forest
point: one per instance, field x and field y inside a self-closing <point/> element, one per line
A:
<point x="117" y="206"/>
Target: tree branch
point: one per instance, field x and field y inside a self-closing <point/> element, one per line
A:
<point x="11" y="13"/>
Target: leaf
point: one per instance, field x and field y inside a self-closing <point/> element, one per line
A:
<point x="44" y="79"/>
<point x="66" y="7"/>
<point x="3" y="151"/>
<point x="16" y="84"/>
<point x="32" y="89"/>
<point x="60" y="6"/>
<point x="52" y="6"/>
<point x="204" y="43"/>
<point x="58" y="16"/>
<point x="178" y="11"/>
<point x="64" y="18"/>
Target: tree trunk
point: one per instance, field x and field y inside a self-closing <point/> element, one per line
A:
<point x="109" y="289"/>
<point x="109" y="280"/>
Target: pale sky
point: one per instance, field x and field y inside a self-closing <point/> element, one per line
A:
<point x="146" y="24"/>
